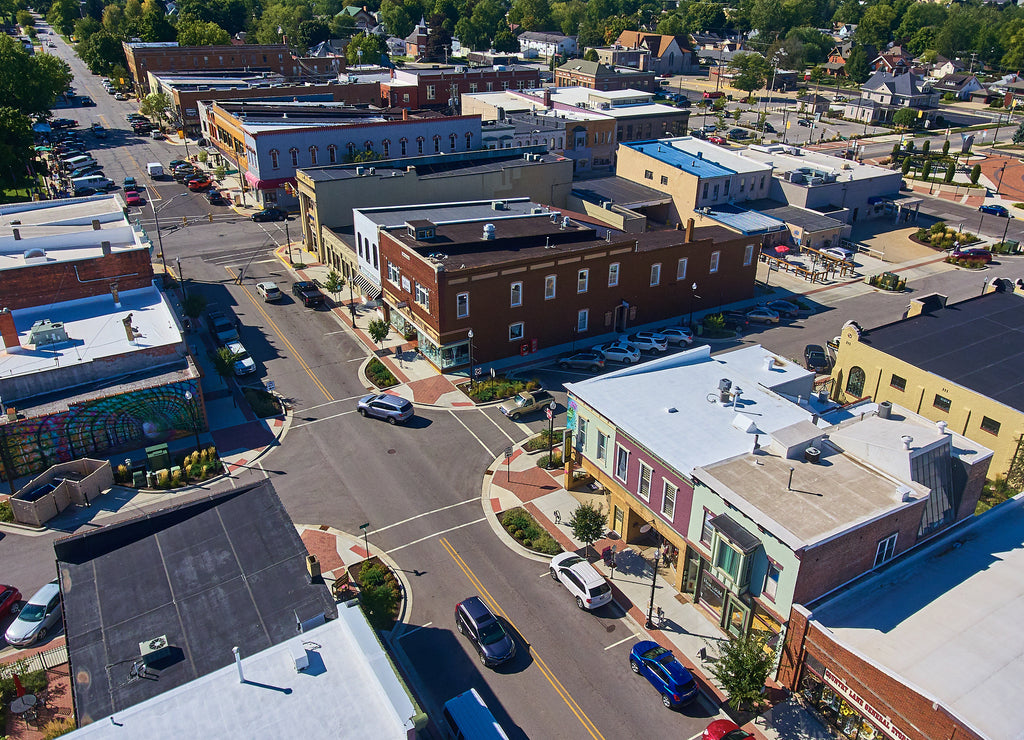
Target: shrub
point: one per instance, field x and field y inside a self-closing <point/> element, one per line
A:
<point x="524" y="529"/>
<point x="379" y="375"/>
<point x="542" y="441"/>
<point x="939" y="227"/>
<point x="379" y="594"/>
<point x="57" y="727"/>
<point x="491" y="389"/>
<point x="123" y="475"/>
<point x="975" y="174"/>
<point x="263" y="403"/>
<point x="554" y="461"/>
<point x="163" y="478"/>
<point x="950" y="173"/>
<point x="176" y="478"/>
<point x="373" y="573"/>
<point x="6" y="513"/>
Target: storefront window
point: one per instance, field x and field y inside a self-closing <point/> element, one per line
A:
<point x="836" y="712"/>
<point x="737" y="616"/>
<point x="712" y="595"/>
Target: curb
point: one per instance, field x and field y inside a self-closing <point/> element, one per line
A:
<point x="492" y="516"/>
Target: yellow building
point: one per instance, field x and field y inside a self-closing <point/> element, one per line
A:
<point x="959" y="364"/>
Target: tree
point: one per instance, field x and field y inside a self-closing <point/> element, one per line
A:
<point x="975" y="174"/>
<point x="334" y="283"/>
<point x="30" y="83"/>
<point x="396" y="18"/>
<point x="587" y="523"/>
<point x="876" y="26"/>
<point x="154" y="105"/>
<point x="1018" y="136"/>
<point x="950" y="173"/>
<point x="945" y="144"/>
<point x="751" y="71"/>
<point x="505" y="41"/>
<point x="895" y="148"/>
<point x="224" y="362"/>
<point x="907" y="164"/>
<point x="312" y="33"/>
<point x="439" y="40"/>
<point x="857" y="65"/>
<point x="194" y="305"/>
<point x="591" y="55"/>
<point x="15" y="143"/>
<point x="25" y="19"/>
<point x="201" y="33"/>
<point x="62" y="15"/>
<point x="905" y="117"/>
<point x="926" y="170"/>
<point x="926" y="146"/>
<point x="101" y="52"/>
<point x="743" y="667"/>
<point x="532" y="15"/>
<point x="379" y="330"/>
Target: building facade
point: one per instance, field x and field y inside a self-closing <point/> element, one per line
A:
<point x="146" y="57"/>
<point x="539" y="43"/>
<point x="443" y="88"/>
<point x="597" y="76"/>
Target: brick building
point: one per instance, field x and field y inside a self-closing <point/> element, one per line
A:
<point x="168" y="56"/>
<point x="504" y="269"/>
<point x="581" y="73"/>
<point x="437" y="88"/>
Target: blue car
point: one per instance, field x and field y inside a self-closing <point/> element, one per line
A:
<point x="659" y="666"/>
<point x="994" y="210"/>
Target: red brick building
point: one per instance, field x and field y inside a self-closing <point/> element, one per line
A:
<point x="597" y="76"/>
<point x="435" y="88"/>
<point x="144" y="57"/>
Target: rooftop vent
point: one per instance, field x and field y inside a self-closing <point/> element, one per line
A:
<point x="724" y="388"/>
<point x="812" y="455"/>
<point x="941" y="426"/>
<point x="45" y="332"/>
<point x="904" y="493"/>
<point x="498" y="205"/>
<point x="489" y="231"/>
<point x="155" y="650"/>
<point x="907" y="440"/>
<point x="566" y="222"/>
<point x="884" y="409"/>
<point x="671" y="410"/>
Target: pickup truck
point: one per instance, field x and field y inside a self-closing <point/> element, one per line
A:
<point x="222" y="327"/>
<point x="525" y="402"/>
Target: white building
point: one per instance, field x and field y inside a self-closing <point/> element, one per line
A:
<point x="535" y="44"/>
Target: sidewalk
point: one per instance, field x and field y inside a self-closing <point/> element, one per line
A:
<point x="685" y="629"/>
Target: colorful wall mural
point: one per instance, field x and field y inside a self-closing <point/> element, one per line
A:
<point x="102" y="427"/>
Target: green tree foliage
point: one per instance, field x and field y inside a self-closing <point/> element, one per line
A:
<point x="926" y="170"/>
<point x="907" y="164"/>
<point x="505" y="41"/>
<point x="876" y="26"/>
<point x="334" y="283"/>
<point x="532" y="15"/>
<point x="25" y="19"/>
<point x="312" y="33"/>
<point x="751" y="71"/>
<point x="742" y="668"/>
<point x="918" y="16"/>
<point x="975" y="174"/>
<point x="1018" y="135"/>
<point x="155" y="105"/>
<point x="858" y="66"/>
<point x="284" y="17"/>
<point x="950" y="173"/>
<point x="201" y="33"/>
<point x="30" y="84"/>
<point x="587" y="523"/>
<point x="372" y="47"/>
<point x="231" y="15"/>
<point x="86" y="27"/>
<point x="62" y="15"/>
<point x="400" y="18"/>
<point x="378" y="329"/>
<point x="591" y="55"/>
<point x="224" y="362"/>
<point x="15" y="143"/>
<point x="694" y="17"/>
<point x="905" y="117"/>
<point x="926" y="146"/>
<point x="100" y="51"/>
<point x="849" y="11"/>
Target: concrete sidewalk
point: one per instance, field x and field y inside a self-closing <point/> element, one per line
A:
<point x="684" y="628"/>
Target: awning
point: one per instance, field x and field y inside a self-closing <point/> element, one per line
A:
<point x="257" y="184"/>
<point x="367" y="288"/>
<point x="737" y="535"/>
<point x="781" y="249"/>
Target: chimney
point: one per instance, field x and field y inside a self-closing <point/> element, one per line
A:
<point x="116" y="295"/>
<point x="17" y="235"/>
<point x="95" y="224"/>
<point x="405" y="114"/>
<point x="689" y="229"/>
<point x="9" y="331"/>
<point x="105" y="246"/>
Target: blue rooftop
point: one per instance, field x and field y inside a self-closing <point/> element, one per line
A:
<point x="743" y="220"/>
<point x="693" y="162"/>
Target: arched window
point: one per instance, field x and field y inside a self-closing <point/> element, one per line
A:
<point x="386" y="145"/>
<point x="312" y="155"/>
<point x="453" y="139"/>
<point x="332" y="153"/>
<point x="295" y="156"/>
<point x="368" y="145"/>
<point x="405" y="144"/>
<point x="419" y="144"/>
<point x="437" y="143"/>
<point x="274" y="158"/>
<point x="351" y="148"/>
<point x="469" y="141"/>
<point x="855" y="382"/>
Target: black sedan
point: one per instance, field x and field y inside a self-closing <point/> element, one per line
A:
<point x="270" y="214"/>
<point x="815" y="359"/>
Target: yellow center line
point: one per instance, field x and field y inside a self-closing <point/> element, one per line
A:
<point x="284" y="339"/>
<point x="575" y="708"/>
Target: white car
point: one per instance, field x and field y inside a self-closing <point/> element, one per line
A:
<point x="677" y="335"/>
<point x="839" y="253"/>
<point x="623" y="352"/>
<point x="588" y="586"/>
<point x="269" y="291"/>
<point x="243" y="363"/>
<point x="649" y="341"/>
<point x="36" y="618"/>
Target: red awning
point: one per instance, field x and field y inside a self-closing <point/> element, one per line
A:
<point x="781" y="249"/>
<point x="257" y="184"/>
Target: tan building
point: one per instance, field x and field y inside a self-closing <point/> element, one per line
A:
<point x="956" y="364"/>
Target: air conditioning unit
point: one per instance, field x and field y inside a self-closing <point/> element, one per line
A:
<point x="155" y="650"/>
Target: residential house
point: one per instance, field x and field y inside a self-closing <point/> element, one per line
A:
<point x="961" y="86"/>
<point x="836" y="64"/>
<point x="666" y="54"/>
<point x="885" y="93"/>
<point x="597" y="76"/>
<point x="892" y="62"/>
<point x="953" y="363"/>
<point x="942" y="67"/>
<point x="365" y="20"/>
<point x="416" y="41"/>
<point x="546" y="44"/>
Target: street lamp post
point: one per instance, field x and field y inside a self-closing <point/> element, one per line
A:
<point x="471" y="366"/>
<point x="1006" y="228"/>
<point x="551" y="431"/>
<point x="351" y="302"/>
<point x="649" y="624"/>
<point x="192" y="417"/>
<point x="181" y="278"/>
<point x="693" y="294"/>
<point x="366" y="543"/>
<point x="159" y="238"/>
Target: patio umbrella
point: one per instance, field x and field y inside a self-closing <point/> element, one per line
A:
<point x="17" y="685"/>
<point x="781" y="249"/>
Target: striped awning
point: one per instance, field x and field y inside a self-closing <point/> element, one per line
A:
<point x="367" y="287"/>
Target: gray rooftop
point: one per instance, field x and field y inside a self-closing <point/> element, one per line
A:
<point x="437" y="166"/>
<point x="223" y="571"/>
<point x="743" y="219"/>
<point x="620" y="191"/>
<point x="946" y="621"/>
<point x="801" y="217"/>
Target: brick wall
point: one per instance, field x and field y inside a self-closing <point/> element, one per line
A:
<point x="38" y="285"/>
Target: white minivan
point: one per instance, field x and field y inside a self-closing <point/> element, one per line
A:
<point x="73" y="163"/>
<point x="91" y="182"/>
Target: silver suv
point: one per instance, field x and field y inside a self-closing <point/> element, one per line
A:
<point x="386" y="406"/>
<point x="582" y="579"/>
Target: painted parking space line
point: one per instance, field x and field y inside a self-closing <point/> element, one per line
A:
<point x="624" y="639"/>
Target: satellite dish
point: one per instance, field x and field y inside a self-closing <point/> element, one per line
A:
<point x="645" y="529"/>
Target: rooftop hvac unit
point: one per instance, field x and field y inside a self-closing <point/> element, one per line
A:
<point x="489" y="231"/>
<point x="155" y="650"/>
<point x="566" y="222"/>
<point x="812" y="455"/>
<point x="497" y="205"/>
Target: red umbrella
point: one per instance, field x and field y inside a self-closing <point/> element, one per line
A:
<point x="17" y="685"/>
<point x="781" y="249"/>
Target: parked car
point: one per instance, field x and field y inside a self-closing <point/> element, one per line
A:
<point x="666" y="674"/>
<point x="784" y="308"/>
<point x="197" y="184"/>
<point x="804" y="122"/>
<point x="129" y="183"/>
<point x="709" y="128"/>
<point x="474" y="620"/>
<point x="270" y="214"/>
<point x="738" y="133"/>
<point x="679" y="335"/>
<point x="177" y="162"/>
<point x="649" y="341"/>
<point x="815" y="359"/>
<point x="713" y="95"/>
<point x="589" y="587"/>
<point x="86" y="102"/>
<point x="768" y="128"/>
<point x="587" y="360"/>
<point x="120" y="96"/>
<point x="269" y="291"/>
<point x="91" y="169"/>
<point x="995" y="210"/>
<point x="158" y="135"/>
<point x="526" y="402"/>
<point x="37" y="618"/>
<point x="132" y="198"/>
<point x="724" y="729"/>
<point x="392" y="409"/>
<point x="972" y="253"/>
<point x="215" y="198"/>
<point x="10" y="600"/>
<point x="763" y="315"/>
<point x="619" y="352"/>
<point x="61" y="123"/>
<point x="717" y="140"/>
<point x="839" y="253"/>
<point x="243" y="363"/>
<point x="308" y="293"/>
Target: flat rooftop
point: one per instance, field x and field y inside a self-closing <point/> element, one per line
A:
<point x="844" y="169"/>
<point x="213" y="80"/>
<point x="697" y="157"/>
<point x="644" y="109"/>
<point x="743" y="218"/>
<point x="683" y="423"/>
<point x="806" y="219"/>
<point x="977" y="343"/>
<point x="620" y="191"/>
<point x="946" y="620"/>
<point x="443" y="213"/>
<point x="222" y="571"/>
<point x="95" y="331"/>
<point x="435" y="166"/>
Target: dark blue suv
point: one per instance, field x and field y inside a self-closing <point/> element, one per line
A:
<point x="478" y="623"/>
<point x="659" y="666"/>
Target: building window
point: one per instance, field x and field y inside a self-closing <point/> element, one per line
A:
<point x="762" y="182"/>
<point x="855" y="382"/>
<point x="706" y="530"/>
<point x="312" y="155"/>
<point x="295" y="156"/>
<point x="582" y="278"/>
<point x="351" y="149"/>
<point x="728" y="560"/>
<point x="681" y="269"/>
<point x="405" y="97"/>
<point x="714" y="262"/>
<point x="668" y="500"/>
<point x="332" y="153"/>
<point x="515" y="331"/>
<point x="423" y="296"/>
<point x="602" y="446"/>
<point x="613" y="274"/>
<point x="725" y="187"/>
<point x="748" y="255"/>
<point x="582" y="318"/>
<point x="469" y="140"/>
<point x="664" y="179"/>
<point x="581" y="433"/>
<point x="621" y="463"/>
<point x="897" y="382"/>
<point x="452" y="141"/>
<point x="715" y="192"/>
<point x="942" y="403"/>
<point x="386" y="144"/>
<point x="437" y="144"/>
<point x="430" y="92"/>
<point x="655" y="273"/>
<point x="419" y="144"/>
<point x="472" y="88"/>
<point x="274" y="163"/>
<point x="549" y="287"/>
<point x="393" y="273"/>
<point x="404" y="143"/>
<point x="771" y="581"/>
<point x="462" y="305"/>
<point x="648" y="175"/>
<point x="743" y="185"/>
<point x="516" y="298"/>
<point x="643" y="487"/>
<point x="885" y="550"/>
<point x="989" y="425"/>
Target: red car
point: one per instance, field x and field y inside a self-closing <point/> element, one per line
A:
<point x="714" y="95"/>
<point x="132" y="198"/>
<point x="10" y="600"/>
<point x="724" y="729"/>
<point x="717" y="140"/>
<point x="200" y="184"/>
<point x="973" y="253"/>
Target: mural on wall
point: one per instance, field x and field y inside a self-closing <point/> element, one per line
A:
<point x="101" y="427"/>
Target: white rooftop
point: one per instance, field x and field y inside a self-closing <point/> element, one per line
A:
<point x="673" y="405"/>
<point x="95" y="330"/>
<point x="64" y="230"/>
<point x="646" y="109"/>
<point x="946" y="621"/>
<point x="349" y="690"/>
<point x="447" y="213"/>
<point x="734" y="161"/>
<point x="782" y="161"/>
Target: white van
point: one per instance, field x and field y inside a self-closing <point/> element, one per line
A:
<point x="155" y="170"/>
<point x="73" y="163"/>
<point x="91" y="182"/>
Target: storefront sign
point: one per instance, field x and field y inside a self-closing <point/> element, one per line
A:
<point x="876" y="718"/>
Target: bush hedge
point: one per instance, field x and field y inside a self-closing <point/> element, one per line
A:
<point x="379" y="594"/>
<point x="542" y="441"/>
<point x="519" y="523"/>
<point x="493" y="389"/>
<point x="263" y="403"/>
<point x="379" y="375"/>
